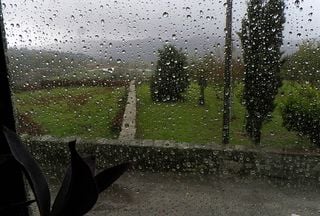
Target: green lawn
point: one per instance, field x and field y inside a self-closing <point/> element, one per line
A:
<point x="84" y="111"/>
<point x="188" y="122"/>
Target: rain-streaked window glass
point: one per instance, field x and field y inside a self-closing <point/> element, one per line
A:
<point x="218" y="115"/>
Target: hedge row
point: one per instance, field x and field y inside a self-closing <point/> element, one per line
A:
<point x="49" y="84"/>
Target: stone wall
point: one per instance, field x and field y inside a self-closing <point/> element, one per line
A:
<point x="158" y="156"/>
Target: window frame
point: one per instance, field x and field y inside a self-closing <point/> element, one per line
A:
<point x="12" y="186"/>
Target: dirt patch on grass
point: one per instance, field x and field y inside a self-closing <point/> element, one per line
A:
<point x="43" y="100"/>
<point x="78" y="100"/>
<point x="28" y="126"/>
<point x="106" y="90"/>
<point x="71" y="100"/>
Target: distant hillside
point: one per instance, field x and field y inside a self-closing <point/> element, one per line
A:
<point x="108" y="59"/>
<point x="28" y="66"/>
<point x="145" y="50"/>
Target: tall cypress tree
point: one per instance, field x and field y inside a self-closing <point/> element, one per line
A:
<point x="261" y="38"/>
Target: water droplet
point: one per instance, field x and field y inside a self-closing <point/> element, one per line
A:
<point x="110" y="70"/>
<point x="165" y="14"/>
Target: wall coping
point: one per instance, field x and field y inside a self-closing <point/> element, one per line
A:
<point x="167" y="144"/>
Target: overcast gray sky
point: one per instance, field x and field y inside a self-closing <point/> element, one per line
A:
<point x="42" y="23"/>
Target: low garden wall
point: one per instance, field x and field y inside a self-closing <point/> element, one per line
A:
<point x="52" y="153"/>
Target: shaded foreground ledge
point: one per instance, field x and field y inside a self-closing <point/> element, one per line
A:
<point x="158" y="156"/>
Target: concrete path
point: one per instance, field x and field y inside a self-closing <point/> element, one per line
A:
<point x="128" y="129"/>
<point x="186" y="194"/>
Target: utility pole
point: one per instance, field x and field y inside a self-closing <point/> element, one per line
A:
<point x="227" y="76"/>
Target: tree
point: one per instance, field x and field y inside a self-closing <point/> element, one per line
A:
<point x="201" y="72"/>
<point x="206" y="70"/>
<point x="202" y="81"/>
<point x="171" y="78"/>
<point x="261" y="38"/>
<point x="304" y="65"/>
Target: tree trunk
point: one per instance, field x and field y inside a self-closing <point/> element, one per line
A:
<point x="253" y="129"/>
<point x="201" y="98"/>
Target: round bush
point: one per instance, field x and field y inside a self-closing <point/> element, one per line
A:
<point x="301" y="112"/>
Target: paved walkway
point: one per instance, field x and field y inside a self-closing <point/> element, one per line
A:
<point x="128" y="129"/>
<point x="186" y="194"/>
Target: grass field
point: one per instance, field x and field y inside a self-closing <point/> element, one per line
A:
<point x="188" y="122"/>
<point x="84" y="111"/>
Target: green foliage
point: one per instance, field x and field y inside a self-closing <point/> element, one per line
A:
<point x="171" y="78"/>
<point x="202" y="73"/>
<point x="304" y="65"/>
<point x="187" y="122"/>
<point x="261" y="38"/>
<point x="83" y="111"/>
<point x="301" y="112"/>
<point x="210" y="67"/>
